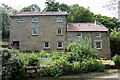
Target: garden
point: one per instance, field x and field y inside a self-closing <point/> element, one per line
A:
<point x="78" y="58"/>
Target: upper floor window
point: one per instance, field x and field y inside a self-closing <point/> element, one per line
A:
<point x="46" y="45"/>
<point x="21" y="20"/>
<point x="34" y="19"/>
<point x="59" y="45"/>
<point x="59" y="19"/>
<point x="79" y="35"/>
<point x="34" y="31"/>
<point x="59" y="31"/>
<point x="98" y="34"/>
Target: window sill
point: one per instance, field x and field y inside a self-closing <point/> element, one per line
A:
<point x="98" y="48"/>
<point x="46" y="48"/>
<point x="34" y="34"/>
<point x="59" y="48"/>
<point x="59" y="34"/>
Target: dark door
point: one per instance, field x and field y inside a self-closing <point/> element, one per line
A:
<point x="15" y="44"/>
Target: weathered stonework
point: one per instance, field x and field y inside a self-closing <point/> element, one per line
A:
<point x="104" y="52"/>
<point x="47" y="32"/>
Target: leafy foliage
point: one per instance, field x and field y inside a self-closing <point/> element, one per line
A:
<point x="31" y="8"/>
<point x="12" y="66"/>
<point x="82" y="47"/>
<point x="33" y="60"/>
<point x="116" y="59"/>
<point x="5" y="11"/>
<point x="115" y="42"/>
<point x="53" y="71"/>
<point x="80" y="14"/>
<point x="51" y="5"/>
<point x="109" y="22"/>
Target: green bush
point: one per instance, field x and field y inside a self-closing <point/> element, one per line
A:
<point x="73" y="56"/>
<point x="115" y="42"/>
<point x="12" y="66"/>
<point x="66" y="66"/>
<point x="33" y="60"/>
<point x="53" y="71"/>
<point x="116" y="60"/>
<point x="43" y="54"/>
<point x="76" y="67"/>
<point x="83" y="47"/>
<point x="90" y="65"/>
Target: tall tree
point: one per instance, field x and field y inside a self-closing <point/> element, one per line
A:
<point x="31" y="8"/>
<point x="51" y="5"/>
<point x="64" y="7"/>
<point x="115" y="41"/>
<point x="5" y="12"/>
<point x="109" y="22"/>
<point x="80" y="14"/>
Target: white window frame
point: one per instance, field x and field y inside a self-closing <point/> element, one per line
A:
<point x="78" y="34"/>
<point x="61" y="44"/>
<point x="21" y="19"/>
<point x="58" y="32"/>
<point x="100" y="44"/>
<point x="59" y="19"/>
<point x="36" y="31"/>
<point x="98" y="34"/>
<point x="34" y="19"/>
<point x="48" y="45"/>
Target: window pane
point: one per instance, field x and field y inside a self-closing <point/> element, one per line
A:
<point x="34" y="31"/>
<point x="59" y="31"/>
<point x="59" y="44"/>
<point x="97" y="34"/>
<point x="21" y="20"/>
<point x="79" y="34"/>
<point x="46" y="44"/>
<point x="98" y="44"/>
<point x="59" y="19"/>
<point x="34" y="19"/>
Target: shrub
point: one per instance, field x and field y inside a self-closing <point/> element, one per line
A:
<point x="82" y="47"/>
<point x="53" y="71"/>
<point x="55" y="55"/>
<point x="12" y="66"/>
<point x="73" y="56"/>
<point x="115" y="42"/>
<point x="116" y="60"/>
<point x="92" y="65"/>
<point x="43" y="54"/>
<point x="76" y="67"/>
<point x="33" y="60"/>
<point x="66" y="66"/>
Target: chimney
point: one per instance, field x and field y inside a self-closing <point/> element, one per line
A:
<point x="96" y="21"/>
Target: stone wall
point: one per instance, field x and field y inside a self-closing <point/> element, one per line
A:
<point x="47" y="31"/>
<point x="105" y="51"/>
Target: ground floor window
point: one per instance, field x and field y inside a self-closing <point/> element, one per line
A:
<point x="59" y="45"/>
<point x="15" y="44"/>
<point x="98" y="44"/>
<point x="46" y="45"/>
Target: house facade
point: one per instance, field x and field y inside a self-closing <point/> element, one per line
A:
<point x="50" y="31"/>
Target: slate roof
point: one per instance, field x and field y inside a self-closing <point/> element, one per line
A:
<point x="85" y="27"/>
<point x="40" y="14"/>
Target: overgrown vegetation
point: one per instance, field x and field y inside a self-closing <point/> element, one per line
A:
<point x="116" y="60"/>
<point x="115" y="41"/>
<point x="12" y="66"/>
<point x="78" y="58"/>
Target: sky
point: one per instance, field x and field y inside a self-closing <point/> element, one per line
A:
<point x="95" y="6"/>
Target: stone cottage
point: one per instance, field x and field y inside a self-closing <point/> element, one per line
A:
<point x="50" y="31"/>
